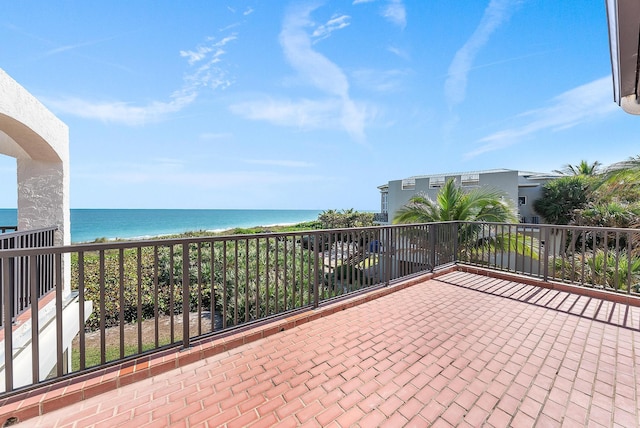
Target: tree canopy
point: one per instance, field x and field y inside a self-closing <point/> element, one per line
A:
<point x="590" y="196"/>
<point x="583" y="168"/>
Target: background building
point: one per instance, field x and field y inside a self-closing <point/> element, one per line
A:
<point x="521" y="187"/>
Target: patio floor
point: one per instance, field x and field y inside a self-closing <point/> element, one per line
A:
<point x="459" y="350"/>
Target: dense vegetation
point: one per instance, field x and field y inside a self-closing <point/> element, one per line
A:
<point x="588" y="195"/>
<point x="244" y="278"/>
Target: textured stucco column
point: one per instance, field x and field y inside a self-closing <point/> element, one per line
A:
<point x="40" y="143"/>
<point x="43" y="197"/>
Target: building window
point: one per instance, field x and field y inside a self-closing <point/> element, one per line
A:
<point x="408" y="183"/>
<point x="384" y="203"/>
<point x="522" y="200"/>
<point x="436" y="182"/>
<point x="470" y="179"/>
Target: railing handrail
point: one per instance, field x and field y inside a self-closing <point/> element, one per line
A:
<point x="135" y="243"/>
<point x="19" y="233"/>
<point x="556" y="226"/>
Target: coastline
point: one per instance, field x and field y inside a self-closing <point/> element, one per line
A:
<point x="215" y="232"/>
<point x="103" y="225"/>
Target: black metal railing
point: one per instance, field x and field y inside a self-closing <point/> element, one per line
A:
<point x="136" y="296"/>
<point x="532" y="220"/>
<point x="596" y="257"/>
<point x="19" y="270"/>
<point x="381" y="217"/>
<point x="5" y="229"/>
<point x="133" y="297"/>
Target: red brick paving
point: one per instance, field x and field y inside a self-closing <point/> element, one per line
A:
<point x="461" y="350"/>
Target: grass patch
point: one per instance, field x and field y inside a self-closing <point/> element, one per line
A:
<point x="112" y="353"/>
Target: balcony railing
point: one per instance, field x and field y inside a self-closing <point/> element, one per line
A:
<point x="533" y="220"/>
<point x="20" y="273"/>
<point x="381" y="217"/>
<point x="154" y="294"/>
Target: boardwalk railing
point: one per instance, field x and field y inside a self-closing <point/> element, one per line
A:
<point x="133" y="297"/>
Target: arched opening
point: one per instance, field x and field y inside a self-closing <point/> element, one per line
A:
<point x="39" y="142"/>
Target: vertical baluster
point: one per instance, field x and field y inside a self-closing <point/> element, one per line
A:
<point x="102" y="309"/>
<point x="7" y="321"/>
<point x="224" y="284"/>
<point x="139" y="296"/>
<point x="156" y="310"/>
<point x="258" y="314"/>
<point x="121" y="299"/>
<point x="81" y="314"/>
<point x="186" y="295"/>
<point x="60" y="366"/>
<point x="199" y="311"/>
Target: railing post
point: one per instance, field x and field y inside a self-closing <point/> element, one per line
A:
<point x="35" y="329"/>
<point x="316" y="281"/>
<point x="432" y="230"/>
<point x="59" y="327"/>
<point x="389" y="247"/>
<point x="545" y="268"/>
<point x="8" y="330"/>
<point x="456" y="227"/>
<point x="185" y="295"/>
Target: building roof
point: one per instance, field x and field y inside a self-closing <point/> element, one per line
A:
<point x="530" y="175"/>
<point x="624" y="20"/>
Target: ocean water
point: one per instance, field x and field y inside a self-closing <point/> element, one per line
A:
<point x="88" y="225"/>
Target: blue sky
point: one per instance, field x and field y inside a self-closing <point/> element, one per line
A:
<point x="310" y="105"/>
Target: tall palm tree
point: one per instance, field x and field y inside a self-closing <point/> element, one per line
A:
<point x="623" y="179"/>
<point x="583" y="168"/>
<point x="453" y="203"/>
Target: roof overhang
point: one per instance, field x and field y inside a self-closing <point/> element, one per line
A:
<point x="624" y="36"/>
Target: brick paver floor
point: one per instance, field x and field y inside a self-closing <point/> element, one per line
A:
<point x="461" y="350"/>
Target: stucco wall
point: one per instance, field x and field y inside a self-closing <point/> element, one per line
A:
<point x="507" y="181"/>
<point x="40" y="143"/>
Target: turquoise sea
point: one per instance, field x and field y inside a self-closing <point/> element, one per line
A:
<point x="88" y="225"/>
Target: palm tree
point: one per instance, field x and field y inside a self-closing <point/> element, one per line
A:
<point x="622" y="180"/>
<point x="453" y="203"/>
<point x="481" y="204"/>
<point x="583" y="168"/>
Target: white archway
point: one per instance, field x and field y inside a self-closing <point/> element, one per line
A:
<point x="39" y="141"/>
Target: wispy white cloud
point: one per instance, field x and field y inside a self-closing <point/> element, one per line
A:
<point x="379" y="81"/>
<point x="335" y="23"/>
<point x="395" y="13"/>
<point x="401" y="53"/>
<point x="585" y="103"/>
<point x="66" y="48"/>
<point x="205" y="74"/>
<point x="303" y="114"/>
<point x="317" y="69"/>
<point x="118" y="111"/>
<point x="248" y="11"/>
<point x="202" y="51"/>
<point x="216" y="135"/>
<point x="279" y="163"/>
<point x="362" y="1"/>
<point x="496" y="13"/>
